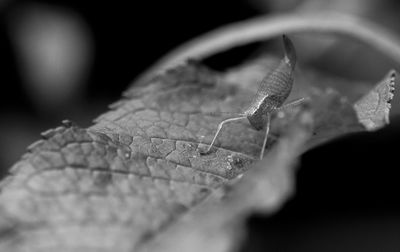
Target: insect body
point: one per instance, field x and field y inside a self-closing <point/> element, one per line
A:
<point x="274" y="89"/>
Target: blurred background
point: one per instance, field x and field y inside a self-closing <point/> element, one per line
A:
<point x="70" y="59"/>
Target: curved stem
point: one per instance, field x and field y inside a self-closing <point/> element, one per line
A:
<point x="266" y="27"/>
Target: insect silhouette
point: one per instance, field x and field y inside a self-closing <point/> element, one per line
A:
<point x="273" y="91"/>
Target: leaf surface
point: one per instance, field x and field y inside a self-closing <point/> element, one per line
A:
<point x="121" y="183"/>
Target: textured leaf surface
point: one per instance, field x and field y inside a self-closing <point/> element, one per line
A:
<point x="220" y="227"/>
<point x="123" y="181"/>
<point x="373" y="109"/>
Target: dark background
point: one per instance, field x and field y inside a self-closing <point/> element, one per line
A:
<point x="347" y="192"/>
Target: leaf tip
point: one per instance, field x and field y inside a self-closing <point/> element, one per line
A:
<point x="374" y="108"/>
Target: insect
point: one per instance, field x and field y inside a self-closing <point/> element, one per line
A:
<point x="274" y="89"/>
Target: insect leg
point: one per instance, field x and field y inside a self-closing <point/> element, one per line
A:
<point x="222" y="113"/>
<point x="292" y="104"/>
<point x="220" y="127"/>
<point x="266" y="135"/>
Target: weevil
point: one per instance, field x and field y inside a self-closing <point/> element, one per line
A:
<point x="273" y="91"/>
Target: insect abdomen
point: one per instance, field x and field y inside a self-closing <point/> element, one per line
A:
<point x="278" y="84"/>
<point x="274" y="89"/>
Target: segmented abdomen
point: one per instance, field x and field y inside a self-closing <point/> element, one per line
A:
<point x="278" y="84"/>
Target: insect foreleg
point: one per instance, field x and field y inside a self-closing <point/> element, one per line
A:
<point x="220" y="127"/>
<point x="292" y="104"/>
<point x="219" y="113"/>
<point x="267" y="126"/>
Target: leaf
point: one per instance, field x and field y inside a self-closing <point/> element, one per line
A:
<point x="265" y="187"/>
<point x="265" y="27"/>
<point x="373" y="109"/>
<point x="117" y="183"/>
<point x="124" y="181"/>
